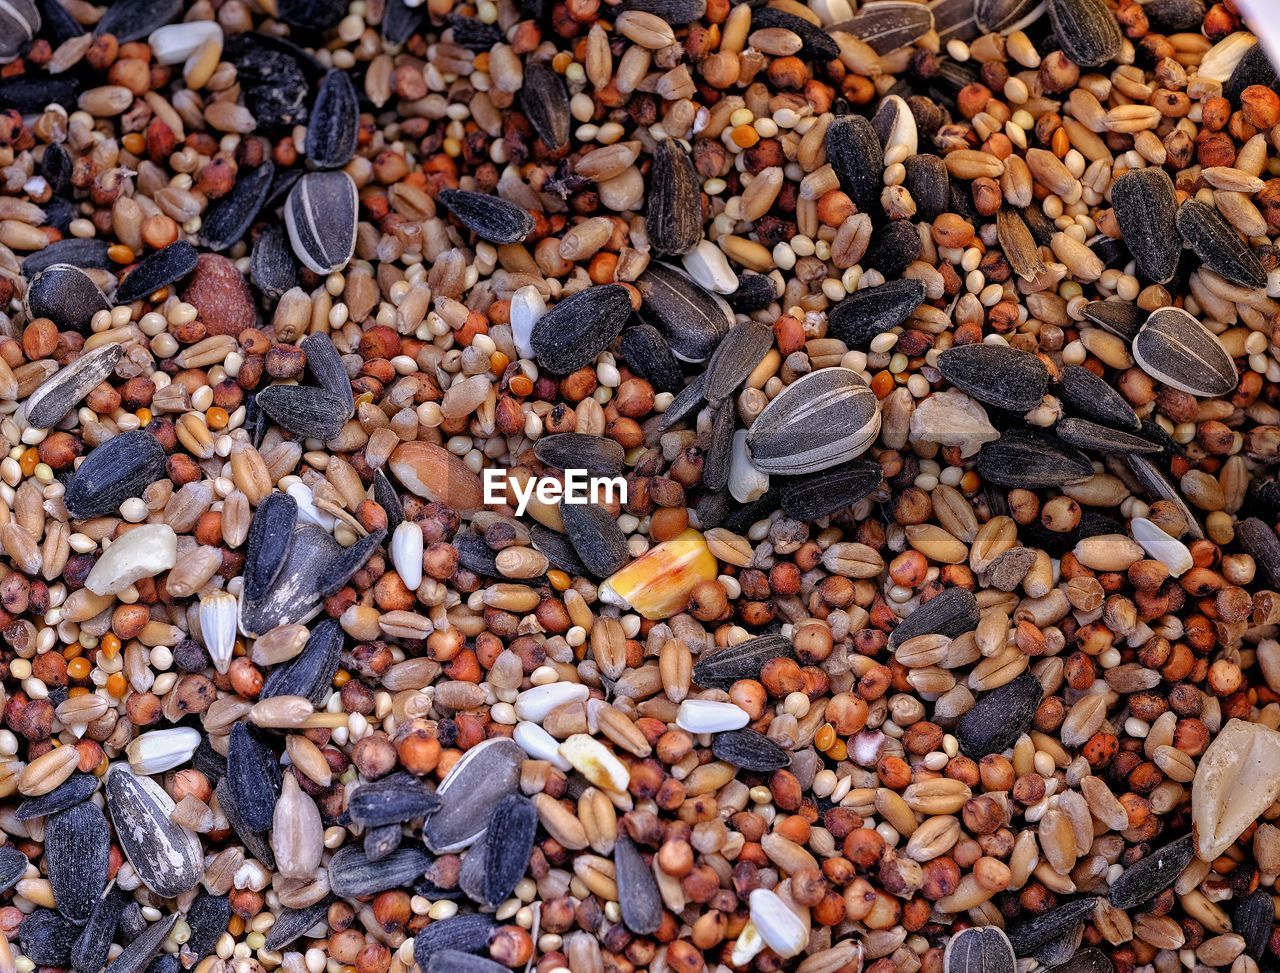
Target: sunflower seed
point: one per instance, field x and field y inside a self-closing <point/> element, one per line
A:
<point x="268" y="543"/>
<point x="167" y="857"/>
<point x="873" y="311"/>
<point x="28" y="94"/>
<point x="13" y="865"/>
<point x="488" y="217"/>
<point x="578" y="328"/>
<point x="1157" y="484"/>
<point x="229" y="219"/>
<point x="1254" y="67"/>
<point x="207" y="919"/>
<point x="1218" y="245"/>
<point x="811" y="498"/>
<point x="94" y="943"/>
<point x="888" y="25"/>
<point x="1177" y="16"/>
<point x="953" y="19"/>
<point x="755" y="292"/>
<point x="381" y="840"/>
<point x="647" y="353"/>
<point x="999" y="717"/>
<point x="1090" y="435"/>
<point x="272" y="265"/>
<point x="310" y="673"/>
<point x="673" y="218"/>
<point x="555" y="547"/>
<point x="1030" y="460"/>
<point x="162" y="268"/>
<point x="1020" y="247"/>
<point x="1027" y="937"/>
<point x="308" y="412"/>
<point x="735" y="357"/>
<point x="334" y="125"/>
<point x="63" y="390"/>
<point x="929" y="183"/>
<point x="120" y="468"/>
<point x="385" y="496"/>
<point x="749" y="750"/>
<point x="311" y="14"/>
<point x="1176" y="349"/>
<point x="596" y="537"/>
<point x="952" y="612"/>
<point x="637" y="889"/>
<point x="545" y="102"/>
<point x="979" y="949"/>
<point x="1118" y="317"/>
<point x="77" y="846"/>
<point x="1254" y="917"/>
<point x="139" y="950"/>
<point x="320" y="215"/>
<point x="501" y="857"/>
<point x="576" y="451"/>
<point x="65" y="295"/>
<point x="473" y="787"/>
<point x="290" y="924"/>
<point x="325" y="365"/>
<point x="456" y="961"/>
<point x="133" y="20"/>
<point x="76" y="788"/>
<point x="996" y="374"/>
<point x="1006" y="16"/>
<point x="254" y="841"/>
<point x="1087" y="31"/>
<point x="46" y="938"/>
<point x="1149" y="876"/>
<point x="821" y="420"/>
<point x="254" y="775"/>
<point x="1146" y="208"/>
<point x="19" y="21"/>
<point x="818" y="45"/>
<point x="692" y="319"/>
<point x="464" y="933"/>
<point x="856" y="155"/>
<point x="722" y="668"/>
<point x="1261" y="542"/>
<point x="719" y="454"/>
<point x="1090" y="395"/>
<point x="392" y="800"/>
<point x="893" y="248"/>
<point x="352" y="874"/>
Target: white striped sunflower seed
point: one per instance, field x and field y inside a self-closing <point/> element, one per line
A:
<point x="19" y="21"/>
<point x="62" y="391"/>
<point x="167" y="857"/>
<point x="1176" y="349"/>
<point x="320" y="215"/>
<point x="979" y="949"/>
<point x="824" y="419"/>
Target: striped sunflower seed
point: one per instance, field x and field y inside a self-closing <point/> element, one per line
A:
<point x="1218" y="245"/>
<point x="722" y="668"/>
<point x="979" y="949"/>
<point x="462" y="933"/>
<point x="1087" y="31"/>
<point x="1091" y="396"/>
<point x="320" y="215"/>
<point x="637" y="889"/>
<point x="952" y="612"/>
<point x="1006" y="16"/>
<point x="735" y="357"/>
<point x="812" y="497"/>
<point x="351" y="873"/>
<point x="816" y="45"/>
<point x="334" y="125"/>
<point x="1090" y="435"/>
<point x="996" y="374"/>
<point x="65" y="295"/>
<point x="493" y="866"/>
<point x="873" y="311"/>
<point x="19" y="21"/>
<point x="1000" y="717"/>
<point x="1028" y="460"/>
<point x="167" y="857"/>
<point x="1118" y="317"/>
<point x="576" y="329"/>
<point x="1176" y="349"/>
<point x="673" y="218"/>
<point x="545" y="102"/>
<point x="855" y="152"/>
<point x="475" y="785"/>
<point x="577" y="451"/>
<point x="488" y="217"/>
<point x="1029" y="936"/>
<point x="254" y="775"/>
<point x="120" y="468"/>
<point x="1146" y="209"/>
<point x="1149" y="876"/>
<point x="77" y="849"/>
<point x="691" y="319"/>
<point x="229" y="219"/>
<point x="823" y="419"/>
<point x="64" y="390"/>
<point x="888" y="25"/>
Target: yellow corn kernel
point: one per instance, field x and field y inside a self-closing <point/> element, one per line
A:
<point x="658" y="584"/>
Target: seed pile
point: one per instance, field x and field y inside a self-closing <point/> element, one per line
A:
<point x="937" y="630"/>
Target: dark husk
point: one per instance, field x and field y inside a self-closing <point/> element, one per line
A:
<point x="310" y="673"/>
<point x="749" y="750"/>
<point x="673" y="218"/>
<point x="856" y="155"/>
<point x="556" y="548"/>
<point x="13" y="864"/>
<point x="229" y="219"/>
<point x="1086" y="434"/>
<point x="1146" y="207"/>
<point x="812" y="497"/>
<point x="742" y="349"/>
<point x="120" y="468"/>
<point x="874" y="310"/>
<point x="92" y="946"/>
<point x="308" y="412"/>
<point x="1030" y="460"/>
<point x="468" y="933"/>
<point x="1093" y="397"/>
<point x="255" y="841"/>
<point x="721" y="668"/>
<point x="577" y="451"/>
<point x="392" y="800"/>
<point x="1087" y="31"/>
<point x="998" y="375"/>
<point x="1254" y="917"/>
<point x="489" y="217"/>
<point x="690" y="318"/>
<point x="292" y="923"/>
<point x="1149" y="876"/>
<point x="46" y="938"/>
<point x="929" y="184"/>
<point x="1029" y="936"/>
<point x="65" y="295"/>
<point x="1000" y="717"/>
<point x="755" y="292"/>
<point x="77" y="846"/>
<point x="139" y="951"/>
<point x="272" y="265"/>
<point x="715" y="467"/>
<point x="335" y="122"/>
<point x="649" y="356"/>
<point x="325" y="365"/>
<point x="817" y="45"/>
<point x="637" y="889"/>
<point x="596" y="537"/>
<point x="254" y="775"/>
<point x="578" y="328"/>
<point x="208" y="917"/>
<point x="1218" y="245"/>
<point x="133" y="20"/>
<point x="268" y="543"/>
<point x="545" y="102"/>
<point x="888" y="25"/>
<point x="76" y="788"/>
<point x="951" y="612"/>
<point x="352" y="874"/>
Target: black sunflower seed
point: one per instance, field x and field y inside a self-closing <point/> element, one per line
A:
<point x="268" y="543"/>
<point x="465" y="933"/>
<point x="320" y="215"/>
<point x="46" y="938"/>
<point x="684" y="404"/>
<point x="352" y="874"/>
<point x="675" y="12"/>
<point x="1087" y="31"/>
<point x="272" y="265"/>
<point x="65" y="295"/>
<point x="474" y="34"/>
<point x="649" y="356"/>
<point x="334" y="125"/>
<point x="999" y="717"/>
<point x="690" y="318"/>
<point x="1119" y="317"/>
<point x="304" y="411"/>
<point x="810" y="498"/>
<point x="1030" y="460"/>
<point x="207" y="917"/>
<point x="997" y="374"/>
<point x="76" y="851"/>
<point x="856" y="155"/>
<point x="596" y="537"/>
<point x="1093" y="397"/>
<point x="929" y="183"/>
<point x="749" y="750"/>
<point x="292" y="923"/>
<point x="132" y="20"/>
<point x="312" y="14"/>
<point x="502" y="856"/>
<point x="254" y="775"/>
<point x="309" y="673"/>
<point x="255" y="841"/>
<point x="557" y="550"/>
<point x="755" y="292"/>
<point x="638" y="894"/>
<point x="723" y="667"/>
<point x="1149" y="876"/>
<point x="76" y="788"/>
<point x="1260" y="540"/>
<point x="952" y="612"/>
<point x="1005" y="16"/>
<point x="13" y="864"/>
<point x="673" y="219"/>
<point x="1254" y="917"/>
<point x="1146" y="208"/>
<point x="817" y="45"/>
<point x="94" y="942"/>
<point x="139" y="950"/>
<point x="456" y="961"/>
<point x="385" y="496"/>
<point x="80" y="253"/>
<point x="576" y="451"/>
<point x="160" y="269"/>
<point x="1027" y="937"/>
<point x="1218" y="244"/>
<point x="893" y="248"/>
<point x="735" y="358"/>
<point x="381" y="840"/>
<point x="489" y="217"/>
<point x="1087" y="434"/>
<point x="400" y="21"/>
<point x="120" y="468"/>
<point x="325" y="365"/>
<point x="1253" y="68"/>
<point x="1087" y="960"/>
<point x="391" y="800"/>
<point x="874" y="310"/>
<point x="28" y="95"/>
<point x="546" y="104"/>
<point x="715" y="466"/>
<point x="229" y="219"/>
<point x="578" y="328"/>
<point x="1178" y="16"/>
<point x="478" y="558"/>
